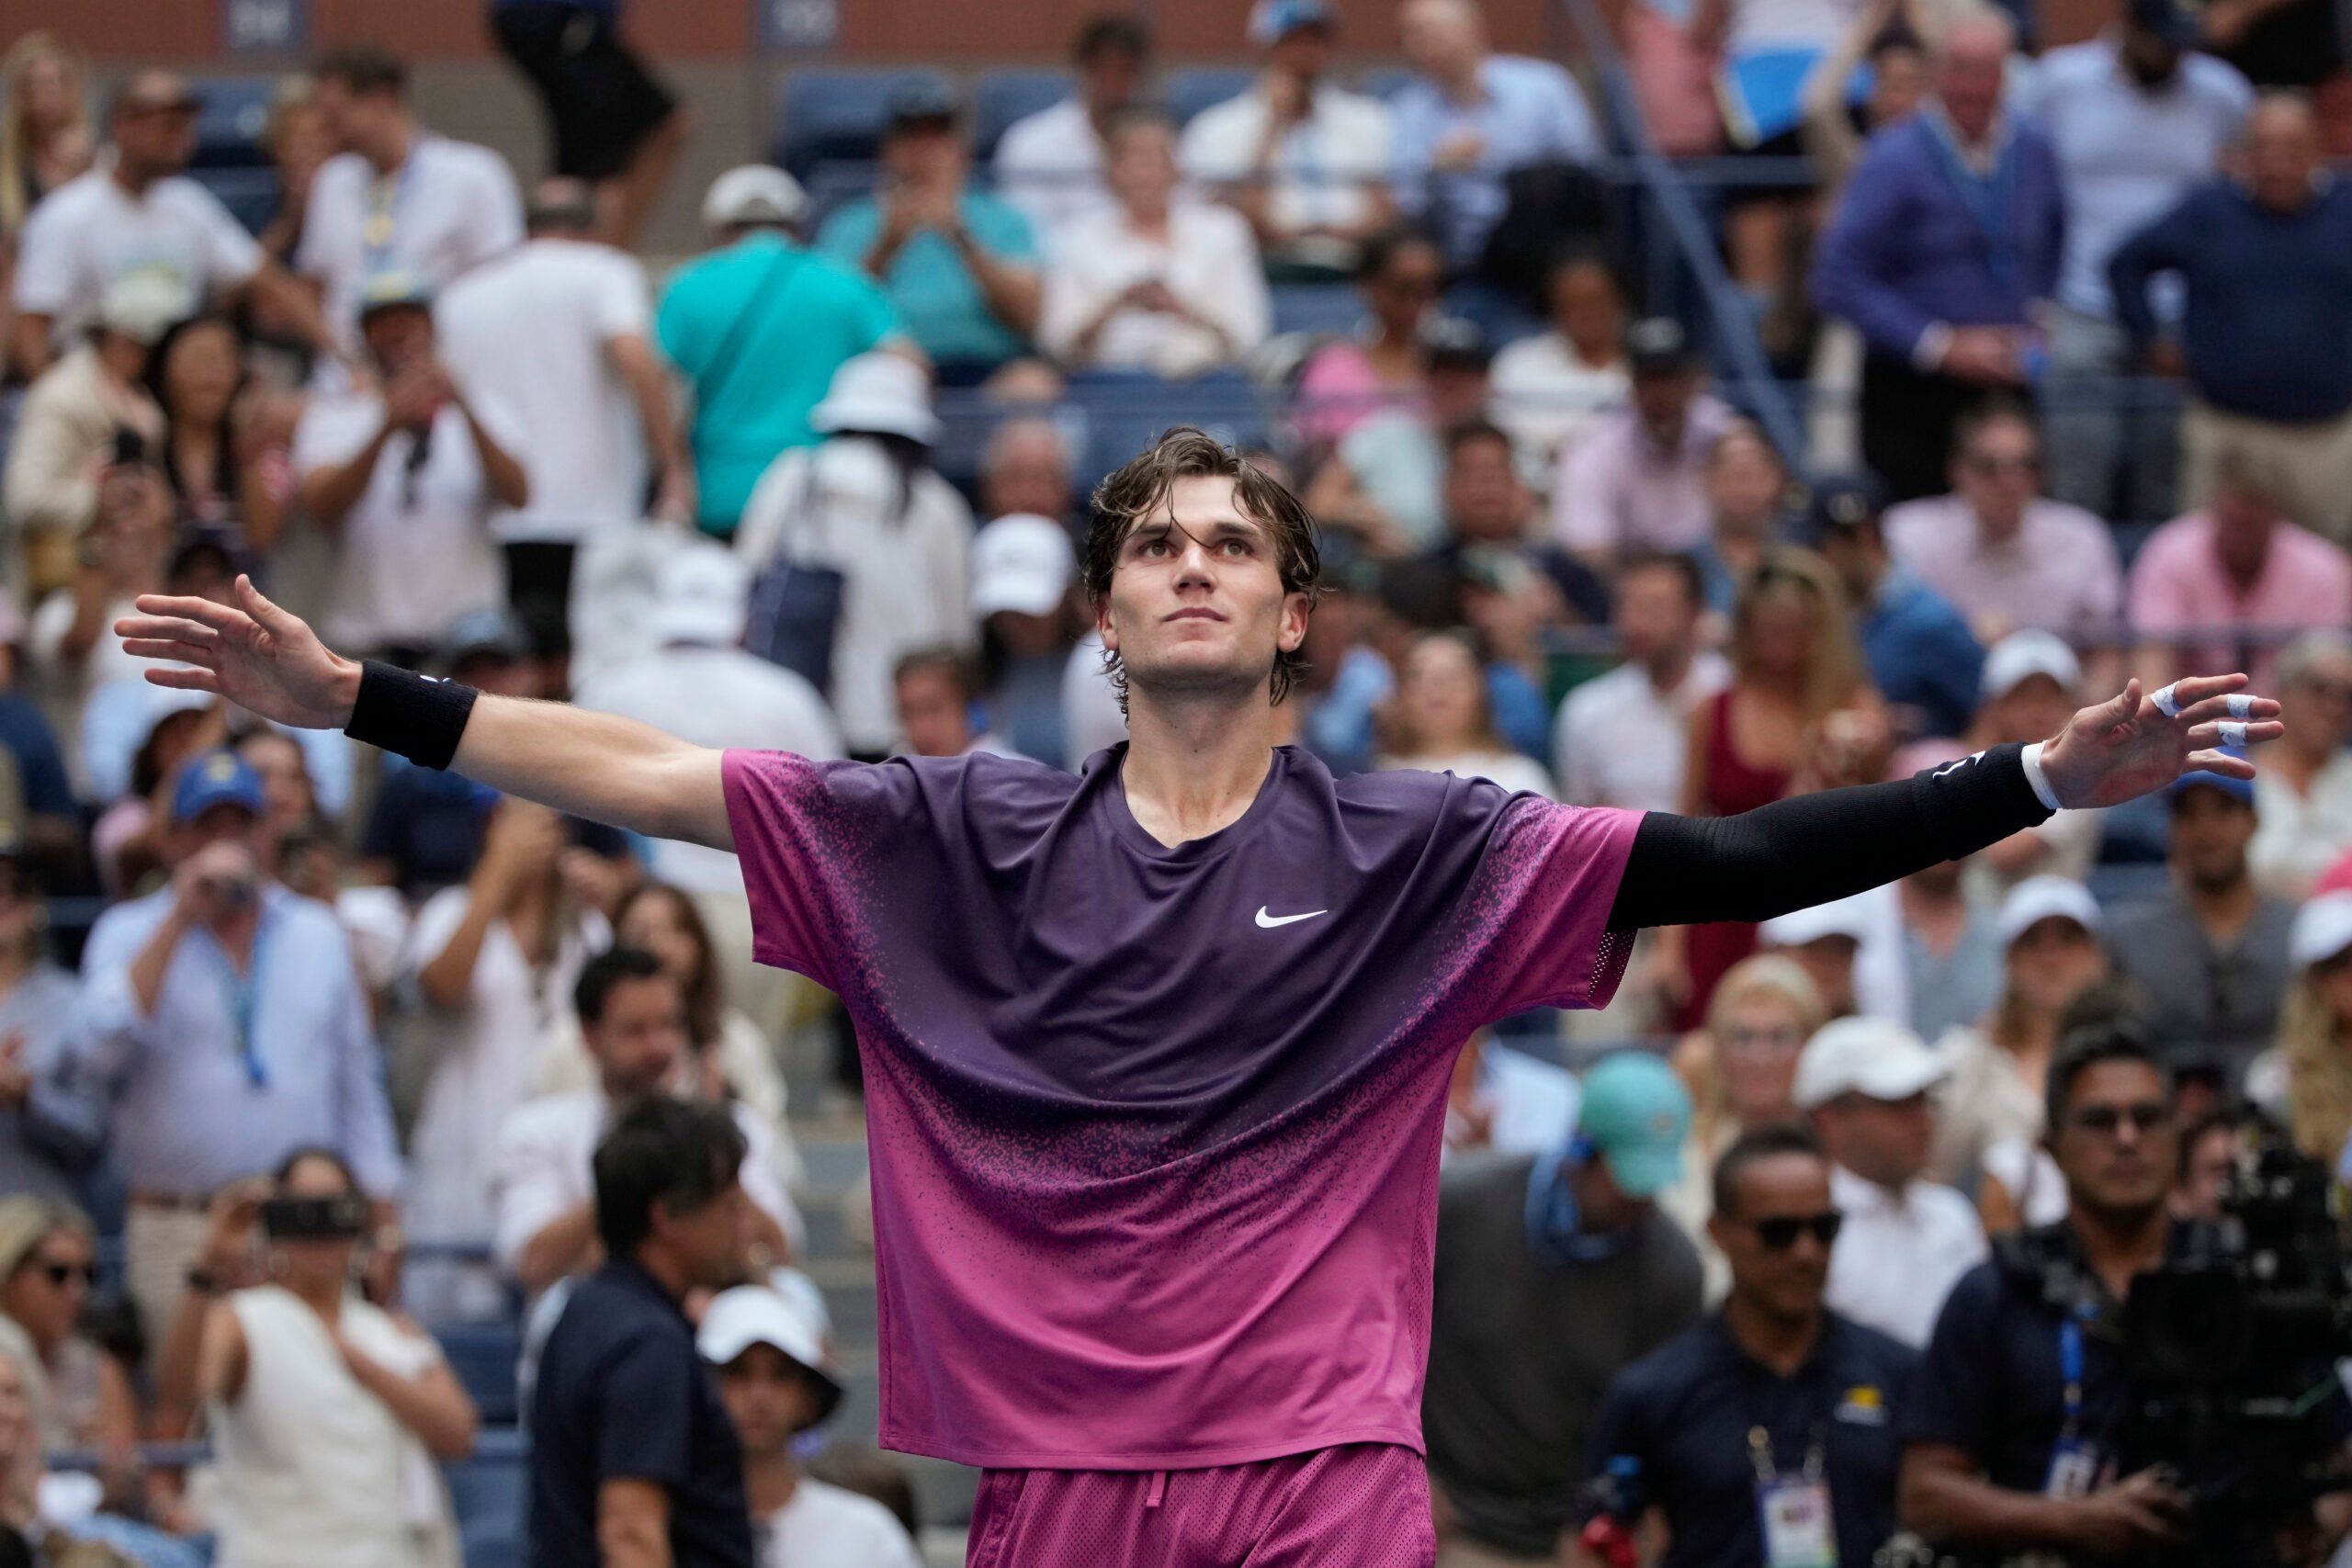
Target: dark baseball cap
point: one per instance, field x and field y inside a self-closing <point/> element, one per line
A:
<point x="2175" y="21"/>
<point x="1456" y="342"/>
<point x="922" y="104"/>
<point x="1843" y="503"/>
<point x="1656" y="345"/>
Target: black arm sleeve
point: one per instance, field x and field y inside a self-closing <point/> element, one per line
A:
<point x="1795" y="854"/>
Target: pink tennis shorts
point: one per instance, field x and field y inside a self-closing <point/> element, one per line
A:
<point x="1363" y="1505"/>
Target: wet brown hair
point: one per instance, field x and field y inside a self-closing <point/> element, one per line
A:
<point x="1143" y="485"/>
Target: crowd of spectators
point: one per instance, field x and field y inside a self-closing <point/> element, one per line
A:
<point x="286" y="1013"/>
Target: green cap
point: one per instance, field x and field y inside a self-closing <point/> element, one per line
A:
<point x="1636" y="1114"/>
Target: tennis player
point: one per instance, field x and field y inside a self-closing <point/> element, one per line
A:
<point x="1156" y="1055"/>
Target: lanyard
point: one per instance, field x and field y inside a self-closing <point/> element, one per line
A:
<point x="244" y="992"/>
<point x="1988" y="197"/>
<point x="384" y="194"/>
<point x="2070" y="1368"/>
<point x="1759" y="1453"/>
<point x="1552" y="1223"/>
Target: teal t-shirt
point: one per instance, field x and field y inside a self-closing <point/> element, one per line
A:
<point x="801" y="315"/>
<point x="932" y="290"/>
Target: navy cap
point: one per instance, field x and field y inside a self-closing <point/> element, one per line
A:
<point x="2175" y="21"/>
<point x="493" y="632"/>
<point x="1843" y="503"/>
<point x="1456" y="342"/>
<point x="920" y="102"/>
<point x="217" y="778"/>
<point x="1270" y="21"/>
<point x="1656" y="345"/>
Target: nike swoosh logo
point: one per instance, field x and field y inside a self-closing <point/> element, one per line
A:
<point x="1270" y="921"/>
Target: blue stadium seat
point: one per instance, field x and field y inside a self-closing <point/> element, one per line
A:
<point x="1002" y="97"/>
<point x="1316" y="307"/>
<point x="487" y="1496"/>
<point x="483" y="1356"/>
<point x="230" y="128"/>
<point x="249" y="193"/>
<point x="1124" y="412"/>
<point x="836" y="116"/>
<point x="1195" y="88"/>
<point x="1384" y="81"/>
<point x="2129" y="538"/>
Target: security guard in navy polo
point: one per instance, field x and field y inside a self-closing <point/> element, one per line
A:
<point x="1766" y="1436"/>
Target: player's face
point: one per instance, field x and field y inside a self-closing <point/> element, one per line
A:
<point x="1197" y="605"/>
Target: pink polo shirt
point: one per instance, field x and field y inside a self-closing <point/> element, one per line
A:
<point x="2179" y="586"/>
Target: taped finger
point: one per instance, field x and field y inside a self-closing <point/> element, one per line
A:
<point x="2167" y="700"/>
<point x="2241" y="705"/>
<point x="2233" y="733"/>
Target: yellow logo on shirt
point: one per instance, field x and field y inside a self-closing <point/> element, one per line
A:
<point x="1863" y="1407"/>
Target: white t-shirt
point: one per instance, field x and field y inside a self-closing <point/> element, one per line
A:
<point x="1543" y="394"/>
<point x="90" y="231"/>
<point x="834" y="1527"/>
<point x="1049" y="165"/>
<point x="414" y="552"/>
<point x="1091" y="721"/>
<point x="740" y="701"/>
<point x="450" y="206"/>
<point x="532" y="328"/>
<point x="1209" y="260"/>
<point x="1618" y="742"/>
<point x="1324" y="172"/>
<point x="1899" y="1256"/>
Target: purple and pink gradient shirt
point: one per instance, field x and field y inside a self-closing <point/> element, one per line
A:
<point x="1154" y="1130"/>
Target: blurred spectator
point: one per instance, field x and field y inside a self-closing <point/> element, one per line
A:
<point x="2137" y="121"/>
<point x="558" y="333"/>
<point x="42" y="1154"/>
<point x="2032" y="686"/>
<point x="2303" y="794"/>
<point x="1848" y="949"/>
<point x="1025" y="467"/>
<point x="1621" y="737"/>
<point x="1440" y="720"/>
<point x="633" y="1456"/>
<point x="1742" y="1069"/>
<point x="1954" y="962"/>
<point x="1922" y="656"/>
<point x="757" y="326"/>
<point x="495" y="962"/>
<point x="1748" y="498"/>
<point x="1161" y="282"/>
<point x="290" y="798"/>
<point x="298" y="141"/>
<point x="1774" y="1420"/>
<point x="1512" y="585"/>
<point x="1023" y="569"/>
<point x="45" y="129"/>
<point x="127" y="843"/>
<point x="405" y="474"/>
<point x="1469" y="118"/>
<point x="82" y="1398"/>
<point x="739" y="700"/>
<point x="1944" y="245"/>
<point x="84" y="433"/>
<point x="77" y="661"/>
<point x="1553" y="1271"/>
<point x="633" y="1021"/>
<point x="395" y="197"/>
<point x="1301" y="158"/>
<point x="220" y="1025"/>
<point x="1387" y="479"/>
<point x="2002" y="552"/>
<point x="1889" y="39"/>
<point x="1506" y="1102"/>
<point x="1383" y="364"/>
<point x="2213" y="590"/>
<point x="1050" y="164"/>
<point x="138" y="214"/>
<point x="2305" y="1079"/>
<point x="936" y="692"/>
<point x="868" y="504"/>
<point x="2049" y="930"/>
<point x="329" y="1416"/>
<point x="1864" y="1084"/>
<point x="615" y="127"/>
<point x="2210" y="1147"/>
<point x="223" y="447"/>
<point x="2265" y="297"/>
<point x="1550" y="387"/>
<point x="1799" y="714"/>
<point x="776" y="1378"/>
<point x="959" y="265"/>
<point x="1632" y="479"/>
<point x="2211" y="950"/>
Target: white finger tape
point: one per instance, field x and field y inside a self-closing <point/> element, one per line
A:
<point x="2233" y="733"/>
<point x="2167" y="703"/>
<point x="2241" y="705"/>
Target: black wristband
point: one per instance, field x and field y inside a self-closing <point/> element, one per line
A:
<point x="400" y="711"/>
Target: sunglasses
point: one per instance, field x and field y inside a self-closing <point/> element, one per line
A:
<point x="2145" y="1117"/>
<point x="63" y="1274"/>
<point x="1780" y="1232"/>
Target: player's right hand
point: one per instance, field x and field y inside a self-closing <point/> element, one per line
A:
<point x="252" y="652"/>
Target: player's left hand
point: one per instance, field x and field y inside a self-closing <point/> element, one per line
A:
<point x="2125" y="749"/>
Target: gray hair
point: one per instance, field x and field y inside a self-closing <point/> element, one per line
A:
<point x="1001" y="438"/>
<point x="2302" y="658"/>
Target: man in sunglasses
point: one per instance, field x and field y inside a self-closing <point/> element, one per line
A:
<point x="2006" y="1428"/>
<point x="1766" y="1436"/>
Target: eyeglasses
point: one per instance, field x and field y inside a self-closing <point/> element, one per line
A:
<point x="1783" y="1039"/>
<point x="1780" y="1232"/>
<point x="2145" y="1117"/>
<point x="1992" y="465"/>
<point x="63" y="1274"/>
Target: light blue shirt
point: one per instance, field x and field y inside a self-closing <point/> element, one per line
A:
<point x="172" y="1093"/>
<point x="2126" y="154"/>
<point x="934" y="291"/>
<point x="1529" y="111"/>
<point x="117" y="717"/>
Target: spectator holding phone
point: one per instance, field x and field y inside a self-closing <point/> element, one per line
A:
<point x="327" y="1413"/>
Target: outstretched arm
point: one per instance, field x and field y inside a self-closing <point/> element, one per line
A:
<point x="608" y="770"/>
<point x="1795" y="854"/>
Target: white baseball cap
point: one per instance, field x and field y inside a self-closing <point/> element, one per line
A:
<point x="703" y="597"/>
<point x="1023" y="562"/>
<point x="1874" y="1058"/>
<point x="2039" y="898"/>
<point x="2323" y="929"/>
<point x="2022" y="655"/>
<point x="143" y="304"/>
<point x="753" y="193"/>
<point x="752" y="1315"/>
<point x="1849" y="917"/>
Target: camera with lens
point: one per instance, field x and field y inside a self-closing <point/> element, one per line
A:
<point x="340" y="1218"/>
